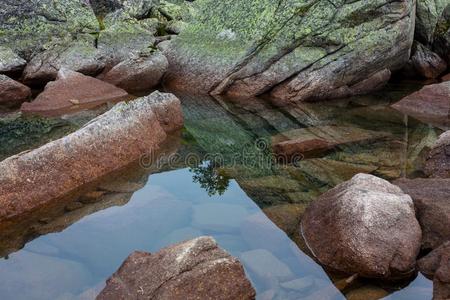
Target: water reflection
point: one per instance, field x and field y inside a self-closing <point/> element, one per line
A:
<point x="224" y="182"/>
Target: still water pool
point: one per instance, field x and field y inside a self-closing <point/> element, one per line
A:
<point x="219" y="177"/>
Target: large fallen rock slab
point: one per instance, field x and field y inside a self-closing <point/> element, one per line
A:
<point x="115" y="139"/>
<point x="438" y="161"/>
<point x="436" y="266"/>
<point x="72" y="90"/>
<point x="365" y="226"/>
<point x="10" y="62"/>
<point x="195" y="269"/>
<point x="12" y="93"/>
<point x="139" y="73"/>
<point x="430" y="104"/>
<point x="298" y="50"/>
<point x="432" y="201"/>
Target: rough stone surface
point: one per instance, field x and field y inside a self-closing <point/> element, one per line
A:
<point x="427" y="63"/>
<point x="196" y="269"/>
<point x="138" y="74"/>
<point x="430" y="104"/>
<point x="10" y="61"/>
<point x="432" y="202"/>
<point x="438" y="161"/>
<point x="365" y="226"/>
<point x="12" y="92"/>
<point x="80" y="56"/>
<point x="441" y="38"/>
<point x="301" y="50"/>
<point x="436" y="265"/>
<point x="26" y="26"/>
<point x="428" y="15"/>
<point x="70" y="90"/>
<point x="109" y="142"/>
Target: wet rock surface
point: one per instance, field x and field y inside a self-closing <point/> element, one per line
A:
<point x="196" y="269"/>
<point x="138" y="74"/>
<point x="109" y="142"/>
<point x="431" y="199"/>
<point x="436" y="265"/>
<point x="430" y="104"/>
<point x="221" y="54"/>
<point x="438" y="159"/>
<point x="427" y="63"/>
<point x="72" y="90"/>
<point x="13" y="93"/>
<point x="365" y="226"/>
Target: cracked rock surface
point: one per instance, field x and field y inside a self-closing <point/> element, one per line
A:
<point x="195" y="269"/>
<point x="297" y="50"/>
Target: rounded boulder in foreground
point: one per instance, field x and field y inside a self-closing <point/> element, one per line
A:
<point x="365" y="226"/>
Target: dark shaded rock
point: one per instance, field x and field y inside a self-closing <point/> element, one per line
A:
<point x="365" y="226"/>
<point x="106" y="144"/>
<point x="138" y="74"/>
<point x="72" y="90"/>
<point x="196" y="269"/>
<point x="298" y="50"/>
<point x="445" y="77"/>
<point x="432" y="202"/>
<point x="436" y="266"/>
<point x="428" y="16"/>
<point x="12" y="93"/>
<point x="427" y="63"/>
<point x="441" y="38"/>
<point x="10" y="62"/>
<point x="438" y="161"/>
<point x="430" y="104"/>
<point x="27" y="26"/>
<point x="79" y="56"/>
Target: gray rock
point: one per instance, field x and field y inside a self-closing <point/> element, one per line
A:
<point x="13" y="93"/>
<point x="298" y="50"/>
<point x="138" y="74"/>
<point x="9" y="61"/>
<point x="427" y="63"/>
<point x="365" y="226"/>
<point x="428" y="15"/>
<point x="27" y="26"/>
<point x="441" y="39"/>
<point x="79" y="55"/>
<point x="196" y="269"/>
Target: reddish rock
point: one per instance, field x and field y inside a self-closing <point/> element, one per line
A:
<point x="438" y="161"/>
<point x="427" y="63"/>
<point x="122" y="135"/>
<point x="12" y="92"/>
<point x="138" y="74"/>
<point x="436" y="265"/>
<point x="196" y="269"/>
<point x="288" y="151"/>
<point x="72" y="90"/>
<point x="432" y="202"/>
<point x="430" y="104"/>
<point x="446" y="77"/>
<point x="365" y="226"/>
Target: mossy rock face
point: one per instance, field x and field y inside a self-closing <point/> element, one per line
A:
<point x="27" y="25"/>
<point x="429" y="13"/>
<point x="301" y="49"/>
<point x="441" y="38"/>
<point x="10" y="61"/>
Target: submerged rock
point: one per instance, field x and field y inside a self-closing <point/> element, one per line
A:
<point x="365" y="226"/>
<point x="298" y="50"/>
<point x="12" y="93"/>
<point x="10" y="62"/>
<point x="70" y="90"/>
<point x="438" y="161"/>
<point x="432" y="202"/>
<point x="108" y="143"/>
<point x="430" y="104"/>
<point x="427" y="63"/>
<point x="138" y="74"/>
<point x="436" y="265"/>
<point x="195" y="269"/>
